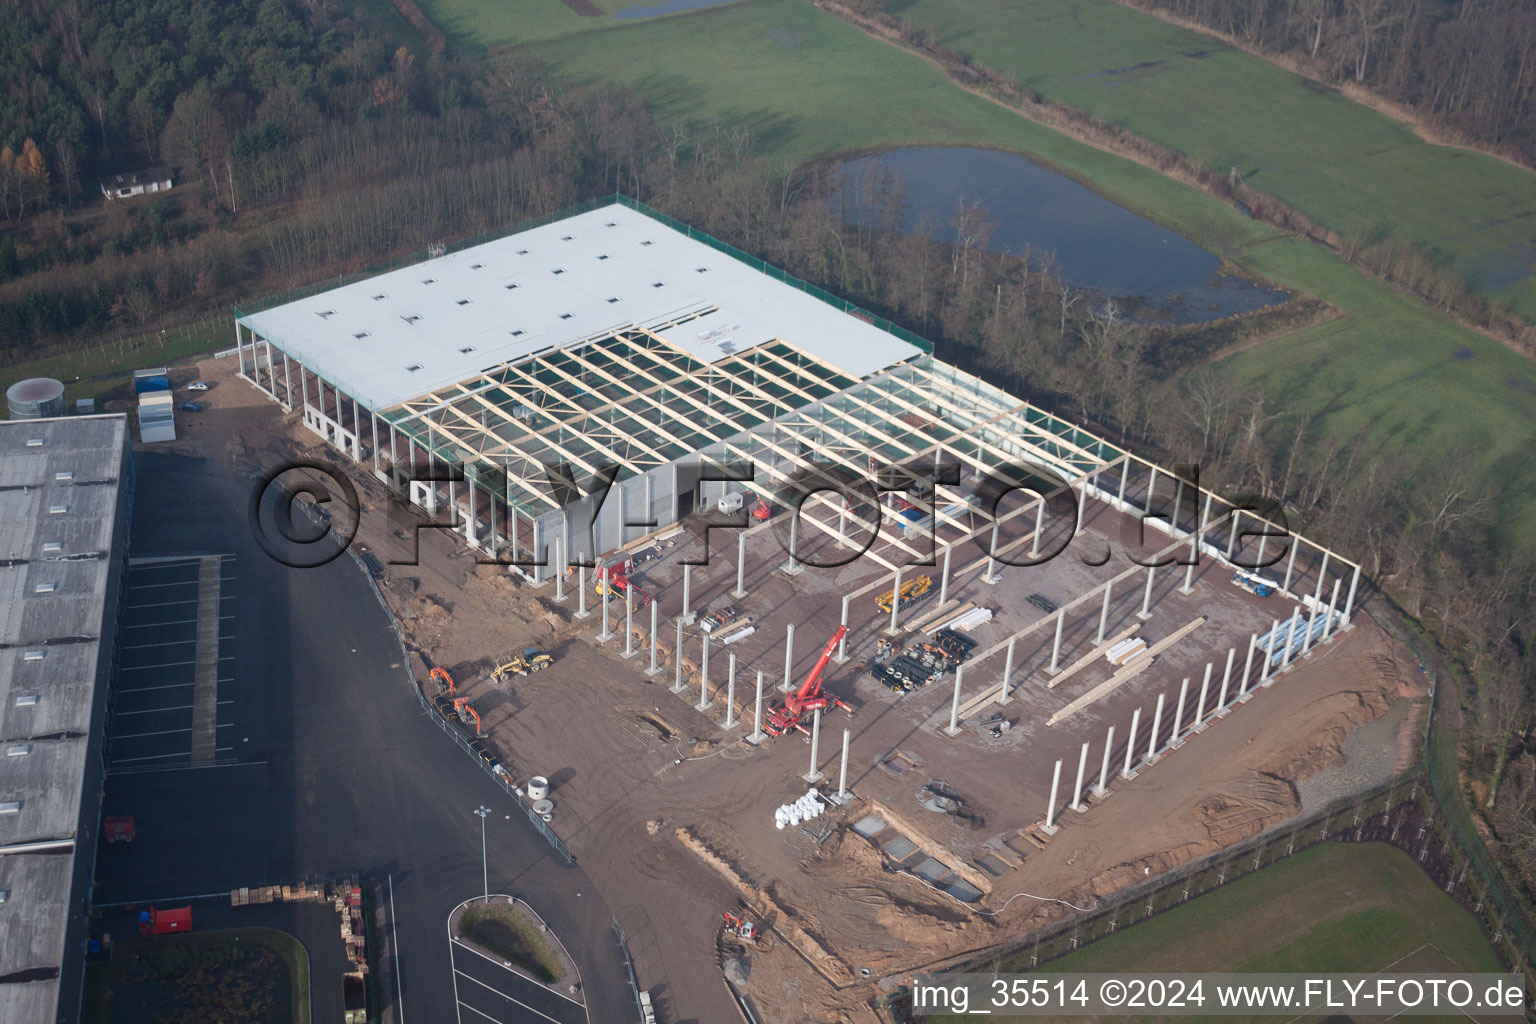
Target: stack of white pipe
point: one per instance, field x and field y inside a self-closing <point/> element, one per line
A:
<point x="803" y="809"/>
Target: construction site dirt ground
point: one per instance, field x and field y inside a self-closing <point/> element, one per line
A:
<point x="671" y="813"/>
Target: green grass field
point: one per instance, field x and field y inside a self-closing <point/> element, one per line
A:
<point x="484" y="24"/>
<point x="1337" y="907"/>
<point x="1343" y="164"/>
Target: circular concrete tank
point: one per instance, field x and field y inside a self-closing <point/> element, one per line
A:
<point x="538" y="788"/>
<point x="36" y="398"/>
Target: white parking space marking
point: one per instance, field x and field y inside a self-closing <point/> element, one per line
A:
<point x="164" y="643"/>
<point x="165" y="664"/>
<point x="503" y="995"/>
<point x="173" y="707"/>
<point x="501" y="966"/>
<point x="173" y="583"/>
<point x="176" y="622"/>
<point x="471" y="1009"/>
<point x="166" y="732"/>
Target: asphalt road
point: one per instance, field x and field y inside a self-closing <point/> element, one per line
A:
<point x="333" y="768"/>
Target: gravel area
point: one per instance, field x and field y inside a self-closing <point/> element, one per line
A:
<point x="1370" y="754"/>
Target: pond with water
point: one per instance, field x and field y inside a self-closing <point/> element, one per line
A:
<point x="1155" y="273"/>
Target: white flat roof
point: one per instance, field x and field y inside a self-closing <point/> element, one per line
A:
<point x="407" y="332"/>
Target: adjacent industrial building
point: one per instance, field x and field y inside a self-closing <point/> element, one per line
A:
<point x="65" y="493"/>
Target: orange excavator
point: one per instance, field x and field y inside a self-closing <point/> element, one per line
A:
<point x="444" y="681"/>
<point x="799" y="705"/>
<point x="467" y="712"/>
<point x="612" y="581"/>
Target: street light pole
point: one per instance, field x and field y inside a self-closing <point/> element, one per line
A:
<point x="485" y="869"/>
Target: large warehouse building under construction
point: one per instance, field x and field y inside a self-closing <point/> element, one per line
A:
<point x="615" y="337"/>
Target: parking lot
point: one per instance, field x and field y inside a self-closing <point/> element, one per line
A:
<point x="156" y="696"/>
<point x="487" y="991"/>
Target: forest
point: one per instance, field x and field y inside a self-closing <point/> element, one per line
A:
<point x="309" y="145"/>
<point x="1467" y="64"/>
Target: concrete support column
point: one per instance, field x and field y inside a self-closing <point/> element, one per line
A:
<point x="1146" y="598"/>
<point x="1034" y="544"/>
<point x="1157" y="722"/>
<point x="1050" y="808"/>
<point x="741" y="565"/>
<point x="954" y="704"/>
<point x="288" y="389"/>
<point x="1322" y="574"/>
<point x="944" y="576"/>
<point x="842" y="774"/>
<point x="1258" y="562"/>
<point x="789" y="658"/>
<point x="1102" y="789"/>
<point x="655" y="664"/>
<point x="688" y="615"/>
<point x="1104" y="614"/>
<point x="1332" y="603"/>
<point x="1237" y="514"/>
<point x="581" y="593"/>
<point x="730" y="694"/>
<point x="1205" y="686"/>
<point x="1306" y="638"/>
<point x="560" y="573"/>
<point x="894" y="627"/>
<point x="757" y="714"/>
<point x="1253" y="642"/>
<point x="1077" y="790"/>
<point x="1226" y="679"/>
<point x="1151" y="488"/>
<point x="629" y="623"/>
<point x="607" y="599"/>
<point x="1125" y="475"/>
<point x="471" y="523"/>
<point x="1194" y="559"/>
<point x="841" y="657"/>
<point x="1130" y="745"/>
<point x="704" y="704"/>
<point x="791" y="565"/>
<point x="1178" y="715"/>
<point x="1269" y="652"/>
<point x="1003" y="696"/>
<point x="1055" y="666"/>
<point x="1290" y="638"/>
<point x="1082" y="507"/>
<point x="814" y="775"/>
<point x="677" y="659"/>
<point x="1290" y="564"/>
<point x="1349" y="602"/>
<point x="992" y="556"/>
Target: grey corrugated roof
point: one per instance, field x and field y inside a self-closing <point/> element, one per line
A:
<point x="58" y="508"/>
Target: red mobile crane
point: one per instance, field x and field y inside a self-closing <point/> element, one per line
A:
<point x="613" y="581"/>
<point x="809" y="697"/>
